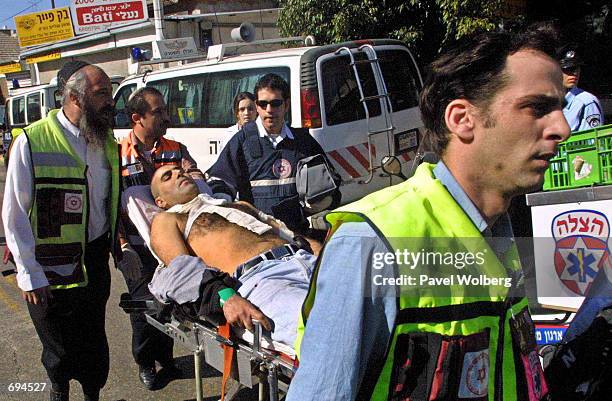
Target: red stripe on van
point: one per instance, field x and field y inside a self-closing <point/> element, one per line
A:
<point x="360" y="158"/>
<point x="344" y="164"/>
<point x="365" y="144"/>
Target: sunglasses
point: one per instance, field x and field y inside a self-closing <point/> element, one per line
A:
<point x="276" y="103"/>
<point x="570" y="70"/>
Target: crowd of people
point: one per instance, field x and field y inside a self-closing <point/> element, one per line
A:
<point x="495" y="107"/>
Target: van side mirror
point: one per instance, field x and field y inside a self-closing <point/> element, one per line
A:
<point x="392" y="166"/>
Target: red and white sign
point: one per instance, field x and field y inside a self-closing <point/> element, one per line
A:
<point x="90" y="16"/>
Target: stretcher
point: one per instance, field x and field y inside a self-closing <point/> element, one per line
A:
<point x="255" y="360"/>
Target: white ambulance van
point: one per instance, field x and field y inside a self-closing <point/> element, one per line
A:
<point x="27" y="105"/>
<point x="359" y="100"/>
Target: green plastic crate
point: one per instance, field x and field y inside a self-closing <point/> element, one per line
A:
<point x="583" y="160"/>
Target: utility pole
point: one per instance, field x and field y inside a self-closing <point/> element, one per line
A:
<point x="52" y="3"/>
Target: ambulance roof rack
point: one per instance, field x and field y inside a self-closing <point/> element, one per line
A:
<point x="216" y="53"/>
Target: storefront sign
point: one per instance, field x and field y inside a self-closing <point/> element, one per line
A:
<point x="44" y="27"/>
<point x="43" y="58"/>
<point x="99" y="15"/>
<point x="8" y="68"/>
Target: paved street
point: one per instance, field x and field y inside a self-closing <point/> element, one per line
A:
<point x="20" y="352"/>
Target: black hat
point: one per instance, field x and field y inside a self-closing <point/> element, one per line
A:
<point x="568" y="58"/>
<point x="67" y="71"/>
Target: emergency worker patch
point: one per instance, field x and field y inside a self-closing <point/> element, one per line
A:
<point x="593" y="120"/>
<point x="135" y="168"/>
<point x="281" y="168"/>
<point x="73" y="203"/>
<point x="474" y="375"/>
<point x="581" y="247"/>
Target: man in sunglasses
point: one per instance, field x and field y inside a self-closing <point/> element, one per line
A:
<point x="582" y="109"/>
<point x="259" y="163"/>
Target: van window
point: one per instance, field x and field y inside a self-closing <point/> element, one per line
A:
<point x="205" y="100"/>
<point x="341" y="93"/>
<point x="185" y="101"/>
<point x="33" y="101"/>
<point x="400" y="78"/>
<point x="18" y="111"/>
<point x="224" y="86"/>
<point x="122" y="120"/>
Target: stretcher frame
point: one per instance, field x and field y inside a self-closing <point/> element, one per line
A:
<point x="252" y="364"/>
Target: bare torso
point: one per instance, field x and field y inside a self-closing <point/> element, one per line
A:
<point x="225" y="245"/>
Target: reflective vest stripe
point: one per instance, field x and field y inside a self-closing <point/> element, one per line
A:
<point x="281" y="181"/>
<point x="447" y="313"/>
<point x="167" y="156"/>
<point x="53" y="159"/>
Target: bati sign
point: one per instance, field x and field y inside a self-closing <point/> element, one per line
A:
<point x="581" y="247"/>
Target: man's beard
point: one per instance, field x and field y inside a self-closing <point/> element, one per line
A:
<point x="94" y="124"/>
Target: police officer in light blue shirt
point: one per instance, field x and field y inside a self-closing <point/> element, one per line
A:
<point x="582" y="110"/>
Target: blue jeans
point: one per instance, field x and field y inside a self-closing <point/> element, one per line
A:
<point x="278" y="288"/>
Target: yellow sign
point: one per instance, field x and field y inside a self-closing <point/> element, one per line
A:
<point x="43" y="58"/>
<point x="7" y="68"/>
<point x="44" y="27"/>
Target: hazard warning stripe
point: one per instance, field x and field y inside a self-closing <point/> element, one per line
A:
<point x="365" y="144"/>
<point x="344" y="164"/>
<point x="360" y="158"/>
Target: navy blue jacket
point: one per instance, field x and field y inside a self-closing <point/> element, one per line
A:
<point x="250" y="166"/>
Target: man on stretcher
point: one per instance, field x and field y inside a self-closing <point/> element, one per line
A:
<point x="212" y="248"/>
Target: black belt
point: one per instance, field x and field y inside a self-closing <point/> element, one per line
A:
<point x="273" y="254"/>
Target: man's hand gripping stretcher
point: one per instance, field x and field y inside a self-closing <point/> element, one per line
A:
<point x="228" y="257"/>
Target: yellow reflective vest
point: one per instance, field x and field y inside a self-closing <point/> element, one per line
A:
<point x="449" y="342"/>
<point x="60" y="207"/>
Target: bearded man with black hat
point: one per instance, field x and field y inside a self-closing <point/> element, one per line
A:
<point x="582" y="109"/>
<point x="59" y="214"/>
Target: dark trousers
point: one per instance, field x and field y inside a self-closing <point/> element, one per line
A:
<point x="71" y="327"/>
<point x="148" y="343"/>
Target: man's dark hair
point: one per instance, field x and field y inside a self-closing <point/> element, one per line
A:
<point x="473" y="70"/>
<point x="137" y="102"/>
<point x="240" y="97"/>
<point x="274" y="82"/>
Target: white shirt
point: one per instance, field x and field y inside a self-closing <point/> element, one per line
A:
<point x="18" y="201"/>
<point x="275" y="139"/>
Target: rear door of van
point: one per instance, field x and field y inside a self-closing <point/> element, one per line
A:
<point x="345" y="132"/>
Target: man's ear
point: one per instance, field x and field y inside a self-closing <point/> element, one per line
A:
<point x="75" y="100"/>
<point x="135" y="118"/>
<point x="459" y="118"/>
<point x="161" y="203"/>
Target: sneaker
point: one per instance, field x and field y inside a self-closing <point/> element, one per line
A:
<point x="147" y="376"/>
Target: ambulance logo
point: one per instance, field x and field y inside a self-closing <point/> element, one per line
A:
<point x="581" y="247"/>
<point x="281" y="168"/>
<point x="474" y="382"/>
<point x="73" y="203"/>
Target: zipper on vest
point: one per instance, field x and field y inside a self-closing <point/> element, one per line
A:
<point x="517" y="278"/>
<point x="499" y="355"/>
